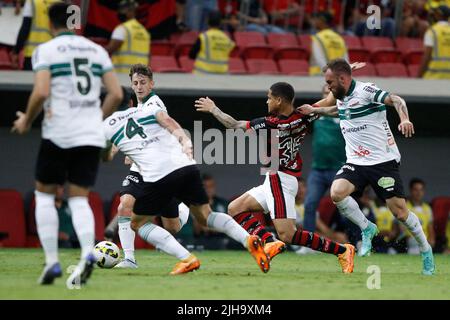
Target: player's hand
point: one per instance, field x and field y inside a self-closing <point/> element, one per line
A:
<point x="20" y="125"/>
<point x="128" y="161"/>
<point x="306" y="109"/>
<point x="357" y="65"/>
<point x="406" y="128"/>
<point x="205" y="105"/>
<point x="188" y="150"/>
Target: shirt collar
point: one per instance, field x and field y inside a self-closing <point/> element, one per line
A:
<point x="148" y="97"/>
<point x="65" y="33"/>
<point x="352" y="87"/>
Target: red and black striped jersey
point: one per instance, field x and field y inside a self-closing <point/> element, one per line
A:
<point x="290" y="132"/>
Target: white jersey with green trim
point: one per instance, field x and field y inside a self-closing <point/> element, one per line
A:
<point x="368" y="137"/>
<point x="153" y="149"/>
<point x="73" y="114"/>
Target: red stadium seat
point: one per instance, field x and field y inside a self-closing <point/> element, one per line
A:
<point x="406" y="44"/>
<point x="385" y="56"/>
<point x="413" y="57"/>
<point x="261" y="66"/>
<point x="388" y="70"/>
<point x="326" y="210"/>
<point x="12" y="219"/>
<point x="165" y="64"/>
<point x="96" y="203"/>
<point x="252" y="45"/>
<point x="294" y="67"/>
<point x="185" y="42"/>
<point x="376" y="43"/>
<point x="277" y="40"/>
<point x="367" y="71"/>
<point x="352" y="42"/>
<point x="161" y="48"/>
<point x="236" y="66"/>
<point x="186" y="63"/>
<point x="360" y="55"/>
<point x="305" y="41"/>
<point x="286" y="46"/>
<point x="413" y="70"/>
<point x="441" y="210"/>
<point x="5" y="60"/>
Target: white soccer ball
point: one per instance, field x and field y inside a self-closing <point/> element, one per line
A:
<point x="107" y="254"/>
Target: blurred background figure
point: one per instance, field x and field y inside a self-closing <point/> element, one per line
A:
<point x="180" y="15"/>
<point x="35" y="30"/>
<point x="436" y="59"/>
<point x="254" y="18"/>
<point x="197" y="12"/>
<point x="212" y="49"/>
<point x="387" y="240"/>
<point x="415" y="19"/>
<point x="423" y="211"/>
<point x="130" y="41"/>
<point x="327" y="45"/>
<point x="328" y="156"/>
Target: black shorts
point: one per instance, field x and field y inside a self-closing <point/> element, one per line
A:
<point x="162" y="197"/>
<point x="384" y="178"/>
<point x="77" y="165"/>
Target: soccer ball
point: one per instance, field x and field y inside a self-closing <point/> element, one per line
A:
<point x="107" y="254"/>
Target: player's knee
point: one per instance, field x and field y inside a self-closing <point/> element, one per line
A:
<point x="233" y="208"/>
<point x="172" y="229"/>
<point x="124" y="209"/>
<point x="337" y="194"/>
<point x="399" y="212"/>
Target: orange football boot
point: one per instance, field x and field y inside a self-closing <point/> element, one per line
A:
<point x="346" y="259"/>
<point x="187" y="265"/>
<point x="256" y="249"/>
<point x="274" y="248"/>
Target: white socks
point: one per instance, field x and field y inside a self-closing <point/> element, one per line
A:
<point x="83" y="223"/>
<point x="349" y="208"/>
<point x="414" y="226"/>
<point x="47" y="224"/>
<point x="183" y="213"/>
<point x="126" y="236"/>
<point x="226" y="224"/>
<point x="163" y="240"/>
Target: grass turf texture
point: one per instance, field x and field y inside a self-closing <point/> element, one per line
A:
<point x="228" y="275"/>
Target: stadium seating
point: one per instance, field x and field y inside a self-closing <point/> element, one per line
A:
<point x="161" y="48"/>
<point x="389" y="70"/>
<point x="305" y="41"/>
<point x="165" y="64"/>
<point x="441" y="210"/>
<point x="375" y="43"/>
<point x="294" y="67"/>
<point x="367" y="71"/>
<point x="286" y="46"/>
<point x="352" y="42"/>
<point x="360" y="55"/>
<point x="184" y="42"/>
<point x="186" y="63"/>
<point x="261" y="66"/>
<point x="385" y="56"/>
<point x="12" y="218"/>
<point x="236" y="66"/>
<point x="5" y="61"/>
<point x="413" y="70"/>
<point x="252" y="45"/>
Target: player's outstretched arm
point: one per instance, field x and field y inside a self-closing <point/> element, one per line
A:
<point x="323" y="111"/>
<point x="41" y="91"/>
<point x="114" y="93"/>
<point x="405" y="127"/>
<point x="207" y="105"/>
<point x="175" y="129"/>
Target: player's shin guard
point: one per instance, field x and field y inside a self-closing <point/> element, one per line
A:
<point x="47" y="225"/>
<point x="314" y="241"/>
<point x="83" y="223"/>
<point x="414" y="226"/>
<point x="349" y="208"/>
<point x="224" y="223"/>
<point x="253" y="226"/>
<point x="126" y="236"/>
<point x="163" y="240"/>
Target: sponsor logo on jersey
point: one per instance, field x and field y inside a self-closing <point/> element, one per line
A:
<point x="131" y="178"/>
<point x="362" y="152"/>
<point x="386" y="183"/>
<point x="112" y="122"/>
<point x="259" y="126"/>
<point x="369" y="89"/>
<point x="347" y="114"/>
<point x="349" y="167"/>
<point x="357" y="129"/>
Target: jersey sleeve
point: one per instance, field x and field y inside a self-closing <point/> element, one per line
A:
<point x="27" y="10"/>
<point x="257" y="124"/>
<point x="374" y="94"/>
<point x="153" y="106"/>
<point x="105" y="61"/>
<point x="40" y="59"/>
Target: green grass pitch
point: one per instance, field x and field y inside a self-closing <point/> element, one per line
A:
<point x="229" y="275"/>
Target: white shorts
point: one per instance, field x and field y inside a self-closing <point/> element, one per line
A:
<point x="277" y="195"/>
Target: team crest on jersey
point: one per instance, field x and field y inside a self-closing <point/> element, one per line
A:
<point x="386" y="182"/>
<point x="347" y="114"/>
<point x="125" y="182"/>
